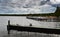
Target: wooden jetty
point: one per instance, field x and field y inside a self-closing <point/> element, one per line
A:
<point x="32" y="29"/>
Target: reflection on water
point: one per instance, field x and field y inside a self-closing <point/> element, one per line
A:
<point x="23" y="21"/>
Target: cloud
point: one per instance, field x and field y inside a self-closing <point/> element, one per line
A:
<point x="27" y="6"/>
<point x="55" y="1"/>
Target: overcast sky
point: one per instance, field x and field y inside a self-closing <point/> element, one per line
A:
<point x="28" y="6"/>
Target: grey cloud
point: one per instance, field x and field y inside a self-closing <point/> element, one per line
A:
<point x="23" y="3"/>
<point x="20" y="3"/>
<point x="8" y="5"/>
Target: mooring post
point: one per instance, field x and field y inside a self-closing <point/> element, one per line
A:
<point x="8" y="28"/>
<point x="8" y="22"/>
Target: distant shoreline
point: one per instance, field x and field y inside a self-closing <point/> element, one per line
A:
<point x="51" y="14"/>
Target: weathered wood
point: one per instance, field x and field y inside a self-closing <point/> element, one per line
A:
<point x="8" y="28"/>
<point x="34" y="29"/>
<point x="8" y="22"/>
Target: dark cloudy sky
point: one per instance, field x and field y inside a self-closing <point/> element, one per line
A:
<point x="28" y="6"/>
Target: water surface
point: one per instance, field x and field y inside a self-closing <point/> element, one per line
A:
<point x="21" y="20"/>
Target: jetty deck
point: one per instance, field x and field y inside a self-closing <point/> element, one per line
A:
<point x="32" y="29"/>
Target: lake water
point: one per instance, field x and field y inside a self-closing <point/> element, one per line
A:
<point x="23" y="21"/>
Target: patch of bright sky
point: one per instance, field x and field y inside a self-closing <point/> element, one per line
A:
<point x="46" y="8"/>
<point x="55" y="1"/>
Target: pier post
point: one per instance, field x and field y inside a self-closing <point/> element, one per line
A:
<point x="8" y="28"/>
<point x="8" y="22"/>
